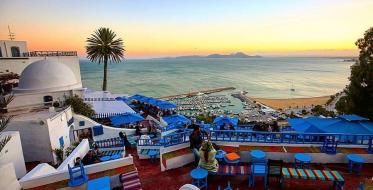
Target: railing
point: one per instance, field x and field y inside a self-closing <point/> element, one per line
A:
<point x="110" y="143"/>
<point x="49" y="53"/>
<point x="261" y="137"/>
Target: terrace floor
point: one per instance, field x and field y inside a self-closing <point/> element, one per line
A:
<point x="153" y="179"/>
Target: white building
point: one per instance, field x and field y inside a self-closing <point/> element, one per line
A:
<point x="43" y="83"/>
<point x="14" y="57"/>
<point x="42" y="132"/>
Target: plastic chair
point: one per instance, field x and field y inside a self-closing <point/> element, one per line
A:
<point x="77" y="175"/>
<point x="329" y="146"/>
<point x="275" y="170"/>
<point x="258" y="169"/>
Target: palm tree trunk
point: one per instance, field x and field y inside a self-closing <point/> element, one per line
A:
<point x="104" y="82"/>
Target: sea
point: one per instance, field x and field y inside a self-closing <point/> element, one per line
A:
<point x="266" y="77"/>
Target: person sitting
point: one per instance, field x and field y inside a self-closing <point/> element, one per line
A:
<point x="137" y="130"/>
<point x="96" y="151"/>
<point x="77" y="161"/>
<point x="207" y="157"/>
<point x="89" y="158"/>
<point x="125" y="141"/>
<point x="195" y="140"/>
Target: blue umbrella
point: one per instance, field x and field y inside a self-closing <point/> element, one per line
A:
<point x="176" y="119"/>
<point x="126" y="119"/>
<point x="226" y="120"/>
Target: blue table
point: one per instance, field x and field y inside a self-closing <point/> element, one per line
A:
<point x="102" y="183"/>
<point x="301" y="159"/>
<point x="115" y="156"/>
<point x="105" y="158"/>
<point x="199" y="177"/>
<point x="354" y="159"/>
<point x="220" y="154"/>
<point x="153" y="155"/>
<point x="257" y="155"/>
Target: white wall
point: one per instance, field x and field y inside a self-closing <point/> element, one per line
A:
<point x="57" y="127"/>
<point x="6" y="46"/>
<point x="40" y="136"/>
<point x="8" y="178"/>
<point x="18" y="65"/>
<point x="27" y="100"/>
<point x="109" y="132"/>
<point x="30" y="181"/>
<point x="35" y="140"/>
<point x="13" y="153"/>
<point x="80" y="151"/>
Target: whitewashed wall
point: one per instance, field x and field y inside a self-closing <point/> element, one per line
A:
<point x="30" y="181"/>
<point x="109" y="132"/>
<point x="13" y="153"/>
<point x="8" y="178"/>
<point x="80" y="151"/>
<point x="57" y="127"/>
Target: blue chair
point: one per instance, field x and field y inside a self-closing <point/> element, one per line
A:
<point x="77" y="175"/>
<point x="258" y="169"/>
<point x="370" y="145"/>
<point x="329" y="146"/>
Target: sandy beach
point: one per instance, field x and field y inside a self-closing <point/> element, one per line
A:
<point x="294" y="102"/>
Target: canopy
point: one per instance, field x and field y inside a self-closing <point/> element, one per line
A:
<point x="161" y="104"/>
<point x="300" y="125"/>
<point x="332" y="125"/>
<point x="126" y="119"/>
<point x="353" y="117"/>
<point x="176" y="120"/>
<point x="110" y="108"/>
<point x="226" y="120"/>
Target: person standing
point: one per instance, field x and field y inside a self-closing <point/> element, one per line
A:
<point x="195" y="140"/>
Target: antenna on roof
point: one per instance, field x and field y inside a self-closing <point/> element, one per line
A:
<point x="11" y="34"/>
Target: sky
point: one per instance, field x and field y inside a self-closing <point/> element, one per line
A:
<point x="158" y="28"/>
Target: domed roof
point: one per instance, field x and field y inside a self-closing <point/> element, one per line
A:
<point x="47" y="76"/>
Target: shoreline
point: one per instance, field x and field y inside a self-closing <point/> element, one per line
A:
<point x="286" y="103"/>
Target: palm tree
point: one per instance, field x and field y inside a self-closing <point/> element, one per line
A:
<point x="102" y="47"/>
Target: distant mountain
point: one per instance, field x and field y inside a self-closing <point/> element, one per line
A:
<point x="232" y="55"/>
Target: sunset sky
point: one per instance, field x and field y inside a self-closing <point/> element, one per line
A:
<point x="156" y="28"/>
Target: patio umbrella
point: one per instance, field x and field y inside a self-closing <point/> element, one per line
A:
<point x="226" y="120"/>
<point x="126" y="119"/>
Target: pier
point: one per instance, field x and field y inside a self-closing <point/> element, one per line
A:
<point x="208" y="91"/>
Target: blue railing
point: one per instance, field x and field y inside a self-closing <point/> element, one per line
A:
<point x="110" y="143"/>
<point x="261" y="137"/>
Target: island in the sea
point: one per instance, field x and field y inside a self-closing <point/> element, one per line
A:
<point x="232" y="55"/>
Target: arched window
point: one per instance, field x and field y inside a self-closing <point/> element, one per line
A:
<point x="15" y="51"/>
<point x="48" y="100"/>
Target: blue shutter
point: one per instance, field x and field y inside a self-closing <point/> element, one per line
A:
<point x="62" y="142"/>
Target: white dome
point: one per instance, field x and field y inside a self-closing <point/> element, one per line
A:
<point x="47" y="76"/>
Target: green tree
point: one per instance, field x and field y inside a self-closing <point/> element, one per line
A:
<point x="104" y="47"/>
<point x="79" y="106"/>
<point x="4" y="119"/>
<point x="359" y="93"/>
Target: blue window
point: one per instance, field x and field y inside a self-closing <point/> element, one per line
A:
<point x="81" y="123"/>
<point x="62" y="142"/>
<point x="98" y="130"/>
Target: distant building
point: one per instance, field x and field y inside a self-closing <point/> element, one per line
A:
<point x="14" y="57"/>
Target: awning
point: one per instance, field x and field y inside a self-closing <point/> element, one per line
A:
<point x="161" y="104"/>
<point x="105" y="109"/>
<point x="126" y="119"/>
<point x="222" y="120"/>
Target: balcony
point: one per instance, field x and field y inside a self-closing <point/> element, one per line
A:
<point x="49" y="53"/>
